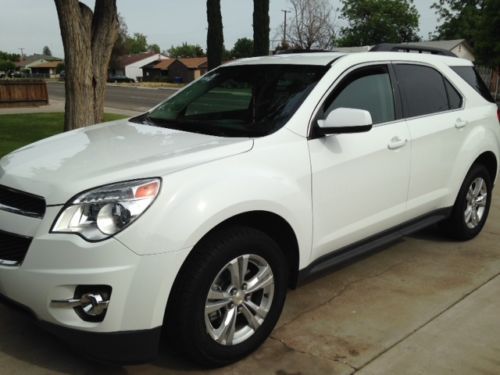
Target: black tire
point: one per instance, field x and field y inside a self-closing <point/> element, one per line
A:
<point x="185" y="320"/>
<point x="456" y="226"/>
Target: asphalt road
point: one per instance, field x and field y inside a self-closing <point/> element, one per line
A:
<point x="129" y="98"/>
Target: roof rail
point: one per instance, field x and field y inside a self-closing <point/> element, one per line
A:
<point x="393" y="47"/>
<point x="298" y="50"/>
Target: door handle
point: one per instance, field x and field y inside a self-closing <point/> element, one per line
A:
<point x="459" y="124"/>
<point x="396" y="143"/>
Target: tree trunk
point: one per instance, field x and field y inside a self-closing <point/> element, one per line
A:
<point x="215" y="37"/>
<point x="260" y="27"/>
<point x="88" y="39"/>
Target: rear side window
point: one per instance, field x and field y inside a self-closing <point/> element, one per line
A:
<point x="367" y="88"/>
<point x="454" y="98"/>
<point x="422" y="88"/>
<point x="471" y="76"/>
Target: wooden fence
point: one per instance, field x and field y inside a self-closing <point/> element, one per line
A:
<point x="20" y="92"/>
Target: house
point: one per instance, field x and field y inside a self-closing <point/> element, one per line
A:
<point x="459" y="47"/>
<point x="131" y="65"/>
<point x="34" y="59"/>
<point x="157" y="70"/>
<point x="46" y="69"/>
<point x="180" y="70"/>
<point x="187" y="69"/>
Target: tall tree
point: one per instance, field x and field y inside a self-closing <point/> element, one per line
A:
<point x="477" y="21"/>
<point x="260" y="27"/>
<point x="378" y="21"/>
<point x="46" y="51"/>
<point x="186" y="50"/>
<point x="311" y="24"/>
<point x="243" y="47"/>
<point x="138" y="43"/>
<point x="120" y="47"/>
<point x="488" y="43"/>
<point x="459" y="19"/>
<point x="88" y="38"/>
<point x="215" y="36"/>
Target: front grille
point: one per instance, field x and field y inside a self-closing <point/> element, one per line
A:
<point x="13" y="248"/>
<point x="21" y="203"/>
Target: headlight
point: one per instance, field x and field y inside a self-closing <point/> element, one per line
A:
<point x="102" y="212"/>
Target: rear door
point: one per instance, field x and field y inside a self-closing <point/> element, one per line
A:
<point x="433" y="109"/>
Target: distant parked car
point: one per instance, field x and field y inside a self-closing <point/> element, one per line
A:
<point x="62" y="75"/>
<point x="120" y="79"/>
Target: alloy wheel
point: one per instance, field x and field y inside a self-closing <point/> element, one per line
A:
<point x="239" y="299"/>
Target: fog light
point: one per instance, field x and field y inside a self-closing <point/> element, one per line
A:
<point x="90" y="302"/>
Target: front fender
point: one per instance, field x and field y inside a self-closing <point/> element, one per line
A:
<point x="272" y="177"/>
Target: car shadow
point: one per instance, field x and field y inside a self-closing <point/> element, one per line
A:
<point x="27" y="348"/>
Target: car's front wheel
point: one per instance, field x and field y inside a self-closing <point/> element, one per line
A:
<point x="472" y="205"/>
<point x="229" y="296"/>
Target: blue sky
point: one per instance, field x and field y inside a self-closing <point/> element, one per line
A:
<point x="32" y="24"/>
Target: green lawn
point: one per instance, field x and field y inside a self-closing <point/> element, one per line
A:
<point x="21" y="129"/>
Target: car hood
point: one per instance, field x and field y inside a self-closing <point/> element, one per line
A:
<point x="59" y="167"/>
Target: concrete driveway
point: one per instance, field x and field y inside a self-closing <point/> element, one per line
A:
<point x="422" y="306"/>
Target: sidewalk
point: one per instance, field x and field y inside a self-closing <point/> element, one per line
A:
<point x="58" y="106"/>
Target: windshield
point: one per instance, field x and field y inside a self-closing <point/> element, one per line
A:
<point x="238" y="101"/>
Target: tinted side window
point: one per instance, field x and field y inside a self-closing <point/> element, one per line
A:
<point x="454" y="98"/>
<point x="470" y="75"/>
<point x="422" y="90"/>
<point x="369" y="89"/>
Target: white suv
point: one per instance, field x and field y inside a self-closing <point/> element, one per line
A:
<point x="197" y="216"/>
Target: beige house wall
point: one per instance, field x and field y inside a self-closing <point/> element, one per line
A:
<point x="463" y="52"/>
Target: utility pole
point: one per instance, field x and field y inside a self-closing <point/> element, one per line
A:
<point x="284" y="26"/>
<point x="22" y="53"/>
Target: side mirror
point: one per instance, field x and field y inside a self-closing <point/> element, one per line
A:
<point x="346" y="120"/>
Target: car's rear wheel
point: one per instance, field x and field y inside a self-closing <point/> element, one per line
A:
<point x="229" y="296"/>
<point x="472" y="205"/>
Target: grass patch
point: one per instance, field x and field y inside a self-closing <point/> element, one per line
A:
<point x="21" y="129"/>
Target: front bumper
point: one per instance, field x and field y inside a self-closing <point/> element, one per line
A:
<point x="121" y="348"/>
<point x="56" y="264"/>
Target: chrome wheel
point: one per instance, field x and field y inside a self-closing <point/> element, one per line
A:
<point x="239" y="299"/>
<point x="477" y="197"/>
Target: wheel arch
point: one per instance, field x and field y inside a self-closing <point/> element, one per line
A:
<point x="268" y="222"/>
<point x="489" y="160"/>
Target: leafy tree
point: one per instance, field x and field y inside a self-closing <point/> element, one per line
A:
<point x="47" y="51"/>
<point x="60" y="68"/>
<point x="186" y="50"/>
<point x="460" y="19"/>
<point x="154" y="48"/>
<point x="6" y="65"/>
<point x="88" y="38"/>
<point x="215" y="36"/>
<point x="260" y="28"/>
<point x="9" y="56"/>
<point x="477" y="21"/>
<point x="378" y="21"/>
<point x="120" y="46"/>
<point x="138" y="43"/>
<point x="488" y="43"/>
<point x="243" y="47"/>
<point x="311" y="25"/>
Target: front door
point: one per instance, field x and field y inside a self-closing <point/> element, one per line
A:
<point x="360" y="180"/>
